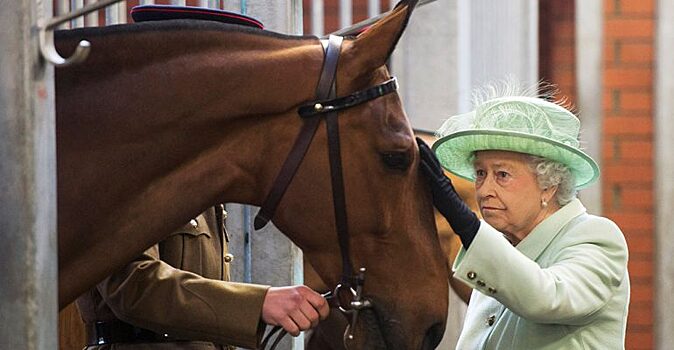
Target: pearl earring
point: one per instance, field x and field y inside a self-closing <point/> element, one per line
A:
<point x="544" y="203"/>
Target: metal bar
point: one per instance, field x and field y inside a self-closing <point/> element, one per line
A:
<point x="91" y="19"/>
<point x="111" y="15"/>
<point x="56" y="21"/>
<point x="373" y="8"/>
<point x="663" y="143"/>
<point x="121" y="13"/>
<point x="28" y="256"/>
<point x="63" y="7"/>
<point x="589" y="38"/>
<point x="345" y="13"/>
<point x="77" y="22"/>
<point x="317" y="17"/>
<point x="247" y="244"/>
<point x="366" y="23"/>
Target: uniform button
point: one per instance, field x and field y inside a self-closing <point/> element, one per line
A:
<point x="228" y="257"/>
<point x="194" y="223"/>
<point x="471" y="275"/>
<point x="480" y="283"/>
<point x="492" y="290"/>
<point x="491" y="319"/>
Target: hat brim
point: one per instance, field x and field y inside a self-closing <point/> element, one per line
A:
<point x="455" y="152"/>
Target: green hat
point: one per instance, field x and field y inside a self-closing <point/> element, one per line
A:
<point x="520" y="124"/>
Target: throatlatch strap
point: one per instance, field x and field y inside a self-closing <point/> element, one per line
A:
<point x="303" y="139"/>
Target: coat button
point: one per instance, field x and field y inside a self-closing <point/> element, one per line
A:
<point x="228" y="257"/>
<point x="194" y="223"/>
<point x="491" y="319"/>
<point x="480" y="283"/>
<point x="471" y="275"/>
<point x="491" y="290"/>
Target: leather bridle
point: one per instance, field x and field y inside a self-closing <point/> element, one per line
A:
<point x="327" y="106"/>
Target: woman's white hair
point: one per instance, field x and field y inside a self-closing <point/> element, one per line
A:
<point x="550" y="173"/>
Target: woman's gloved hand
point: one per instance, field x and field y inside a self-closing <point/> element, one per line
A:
<point x="462" y="220"/>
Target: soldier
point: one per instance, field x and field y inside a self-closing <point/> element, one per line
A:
<point x="176" y="296"/>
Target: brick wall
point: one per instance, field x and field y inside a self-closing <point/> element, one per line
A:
<point x="627" y="150"/>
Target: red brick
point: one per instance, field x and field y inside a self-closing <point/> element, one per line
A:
<point x="641" y="313"/>
<point x="633" y="221"/>
<point x="619" y="173"/>
<point x="635" y="52"/>
<point x="639" y="340"/>
<point x="616" y="27"/>
<point x="608" y="148"/>
<point x="611" y="51"/>
<point x="642" y="100"/>
<point x="640" y="268"/>
<point x="621" y="77"/>
<point x="637" y="198"/>
<point x="610" y="7"/>
<point x="636" y="150"/>
<point x="639" y="244"/>
<point x="628" y="126"/>
<point x="641" y="294"/>
<point x="637" y="7"/>
<point x="610" y="98"/>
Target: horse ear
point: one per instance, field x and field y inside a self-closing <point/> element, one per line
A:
<point x="373" y="46"/>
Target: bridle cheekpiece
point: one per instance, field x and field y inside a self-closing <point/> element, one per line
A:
<point x="327" y="106"/>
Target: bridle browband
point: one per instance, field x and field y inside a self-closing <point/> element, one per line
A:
<point x="327" y="106"/>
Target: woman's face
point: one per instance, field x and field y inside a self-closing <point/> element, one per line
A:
<point x="508" y="193"/>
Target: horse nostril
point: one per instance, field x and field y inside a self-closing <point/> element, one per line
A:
<point x="433" y="336"/>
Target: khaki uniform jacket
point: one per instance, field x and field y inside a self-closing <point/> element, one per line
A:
<point x="178" y="288"/>
<point x="565" y="286"/>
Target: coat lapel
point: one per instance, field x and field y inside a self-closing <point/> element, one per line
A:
<point x="540" y="237"/>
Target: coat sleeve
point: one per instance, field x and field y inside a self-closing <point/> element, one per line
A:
<point x="589" y="265"/>
<point x="151" y="294"/>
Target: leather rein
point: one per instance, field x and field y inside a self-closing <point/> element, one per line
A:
<point x="326" y="106"/>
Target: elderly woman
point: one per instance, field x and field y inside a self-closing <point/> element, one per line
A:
<point x="545" y="274"/>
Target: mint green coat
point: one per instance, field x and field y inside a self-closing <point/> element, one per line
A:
<point x="565" y="286"/>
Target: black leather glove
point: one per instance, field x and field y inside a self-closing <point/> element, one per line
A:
<point x="462" y="220"/>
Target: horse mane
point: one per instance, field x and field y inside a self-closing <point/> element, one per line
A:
<point x="170" y="25"/>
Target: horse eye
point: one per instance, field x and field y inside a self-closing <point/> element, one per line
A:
<point x="396" y="160"/>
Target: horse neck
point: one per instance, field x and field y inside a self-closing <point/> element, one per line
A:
<point x="216" y="102"/>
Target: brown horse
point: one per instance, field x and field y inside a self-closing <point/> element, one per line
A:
<point x="165" y="119"/>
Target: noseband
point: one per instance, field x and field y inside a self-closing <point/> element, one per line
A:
<point x="327" y="106"/>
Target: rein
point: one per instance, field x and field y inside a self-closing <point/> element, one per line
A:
<point x="327" y="106"/>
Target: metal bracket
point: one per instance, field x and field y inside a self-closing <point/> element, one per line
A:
<point x="46" y="35"/>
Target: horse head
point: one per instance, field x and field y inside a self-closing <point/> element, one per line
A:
<point x="390" y="219"/>
<point x="164" y="120"/>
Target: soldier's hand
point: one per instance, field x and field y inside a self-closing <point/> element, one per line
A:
<point x="295" y="308"/>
